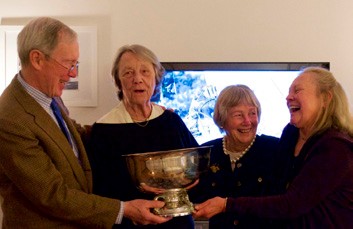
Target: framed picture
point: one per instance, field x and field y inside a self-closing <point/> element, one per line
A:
<point x="80" y="91"/>
<point x="9" y="63"/>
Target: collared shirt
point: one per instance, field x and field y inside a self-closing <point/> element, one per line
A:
<point x="45" y="101"/>
<point x="119" y="114"/>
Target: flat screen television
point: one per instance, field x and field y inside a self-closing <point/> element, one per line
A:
<point x="191" y="89"/>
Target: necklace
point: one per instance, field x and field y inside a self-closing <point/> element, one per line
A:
<point x="143" y="123"/>
<point x="235" y="156"/>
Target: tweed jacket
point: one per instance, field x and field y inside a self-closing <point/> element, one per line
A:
<point x="42" y="182"/>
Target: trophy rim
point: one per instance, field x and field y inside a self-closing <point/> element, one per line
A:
<point x="177" y="151"/>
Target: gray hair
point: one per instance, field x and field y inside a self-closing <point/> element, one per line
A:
<point x="232" y="96"/>
<point x="145" y="54"/>
<point x="44" y="34"/>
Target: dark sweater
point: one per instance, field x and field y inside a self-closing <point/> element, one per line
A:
<point x="252" y="176"/>
<point x="320" y="184"/>
<point x="110" y="141"/>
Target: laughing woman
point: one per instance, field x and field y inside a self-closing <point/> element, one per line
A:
<point x="316" y="154"/>
<point x="241" y="163"/>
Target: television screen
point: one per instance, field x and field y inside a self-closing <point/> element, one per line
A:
<point x="191" y="89"/>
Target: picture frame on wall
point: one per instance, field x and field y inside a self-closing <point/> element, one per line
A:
<point x="80" y="91"/>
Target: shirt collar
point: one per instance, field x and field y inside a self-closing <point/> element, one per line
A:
<point x="39" y="96"/>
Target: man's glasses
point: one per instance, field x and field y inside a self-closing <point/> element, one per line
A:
<point x="71" y="69"/>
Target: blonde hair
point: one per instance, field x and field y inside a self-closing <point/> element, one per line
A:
<point x="336" y="113"/>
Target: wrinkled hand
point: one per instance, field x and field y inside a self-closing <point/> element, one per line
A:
<point x="139" y="212"/>
<point x="209" y="208"/>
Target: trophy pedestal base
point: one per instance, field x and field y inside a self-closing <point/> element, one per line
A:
<point x="181" y="211"/>
<point x="176" y="203"/>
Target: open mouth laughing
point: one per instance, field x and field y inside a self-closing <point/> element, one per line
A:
<point x="293" y="109"/>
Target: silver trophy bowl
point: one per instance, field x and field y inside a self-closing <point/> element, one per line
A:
<point x="168" y="174"/>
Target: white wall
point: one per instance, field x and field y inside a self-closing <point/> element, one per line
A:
<point x="204" y="30"/>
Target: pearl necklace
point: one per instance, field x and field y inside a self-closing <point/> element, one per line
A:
<point x="235" y="156"/>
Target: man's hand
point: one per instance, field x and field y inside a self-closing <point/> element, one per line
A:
<point x="139" y="212"/>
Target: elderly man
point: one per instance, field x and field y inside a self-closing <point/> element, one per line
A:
<point x="45" y="176"/>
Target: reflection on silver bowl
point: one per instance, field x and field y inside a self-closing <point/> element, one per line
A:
<point x="168" y="173"/>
